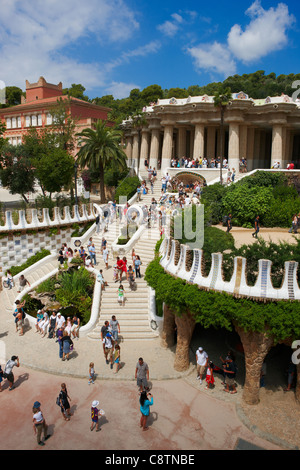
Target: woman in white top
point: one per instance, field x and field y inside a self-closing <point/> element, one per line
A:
<point x="44" y="324"/>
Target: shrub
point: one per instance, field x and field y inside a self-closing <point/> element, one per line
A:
<point x="127" y="188"/>
<point x="33" y="259"/>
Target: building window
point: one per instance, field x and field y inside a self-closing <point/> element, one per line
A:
<point x="19" y="121"/>
<point x="27" y="121"/>
<point x="8" y="123"/>
<point x="39" y="120"/>
<point x="33" y="120"/>
<point x="13" y="122"/>
<point x="49" y="119"/>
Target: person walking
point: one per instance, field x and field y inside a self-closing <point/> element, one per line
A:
<point x="39" y="424"/>
<point x="109" y="349"/>
<point x="8" y="373"/>
<point x="202" y="360"/>
<point x="145" y="404"/>
<point x="256" y="227"/>
<point x="229" y="223"/>
<point x="105" y="257"/>
<point x="121" y="296"/>
<point x="95" y="416"/>
<point x="137" y="266"/>
<point x="142" y="374"/>
<point x="23" y="283"/>
<point x="115" y="327"/>
<point x="104" y="331"/>
<point x="64" y="402"/>
<point x="210" y="380"/>
<point x="117" y="358"/>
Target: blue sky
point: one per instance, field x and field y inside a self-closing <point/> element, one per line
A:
<point x="113" y="46"/>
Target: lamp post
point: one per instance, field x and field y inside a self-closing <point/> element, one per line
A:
<point x="75" y="174"/>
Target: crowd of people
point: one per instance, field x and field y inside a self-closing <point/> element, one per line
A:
<point x="204" y="162"/>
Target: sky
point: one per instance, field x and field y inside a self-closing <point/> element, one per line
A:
<point x="114" y="46"/>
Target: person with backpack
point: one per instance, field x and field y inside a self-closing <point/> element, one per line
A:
<point x="230" y="371"/>
<point x="63" y="401"/>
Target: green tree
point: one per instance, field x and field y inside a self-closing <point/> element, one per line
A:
<point x="16" y="171"/>
<point x="77" y="91"/>
<point x="221" y="100"/>
<point x="55" y="170"/>
<point x="99" y="149"/>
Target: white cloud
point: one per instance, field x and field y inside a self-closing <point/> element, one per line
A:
<point x="35" y="37"/>
<point x="120" y="90"/>
<point x="171" y="27"/>
<point x="266" y="32"/>
<point x="214" y="58"/>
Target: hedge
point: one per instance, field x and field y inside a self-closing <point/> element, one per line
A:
<point x="33" y="259"/>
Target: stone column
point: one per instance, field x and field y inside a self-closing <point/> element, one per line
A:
<point x="135" y="151"/>
<point x="250" y="148"/>
<point x="234" y="146"/>
<point x="167" y="147"/>
<point x="185" y="328"/>
<point x="211" y="141"/>
<point x="144" y="153"/>
<point x="243" y="141"/>
<point x="181" y="142"/>
<point x="154" y="147"/>
<point x="199" y="141"/>
<point x="256" y="159"/>
<point x="277" y="144"/>
<point x="128" y="149"/>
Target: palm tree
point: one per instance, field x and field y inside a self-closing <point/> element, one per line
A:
<point x="221" y="100"/>
<point x="100" y="148"/>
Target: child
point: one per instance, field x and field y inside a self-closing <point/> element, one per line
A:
<point x="210" y="376"/>
<point x="121" y="292"/>
<point x="117" y="357"/>
<point x="115" y="273"/>
<point x="91" y="373"/>
<point x="94" y="415"/>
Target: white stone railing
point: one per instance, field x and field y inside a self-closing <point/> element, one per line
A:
<point x="46" y="221"/>
<point x="238" y="286"/>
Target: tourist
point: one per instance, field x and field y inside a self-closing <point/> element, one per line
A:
<point x="120" y="264"/>
<point x="104" y="330"/>
<point x="291" y="373"/>
<point x="59" y="335"/>
<point x="115" y="327"/>
<point x="68" y="326"/>
<point x="92" y="252"/>
<point x="95" y="416"/>
<point x="97" y="224"/>
<point x="142" y="374"/>
<point x="103" y="245"/>
<point x="124" y="267"/>
<point x="60" y="321"/>
<point x="256" y="227"/>
<point x="82" y="253"/>
<point x="75" y="326"/>
<point x="61" y="257"/>
<point x="19" y="315"/>
<point x="100" y="279"/>
<point x="202" y="360"/>
<point x="64" y="402"/>
<point x="67" y="345"/>
<point x="91" y="373"/>
<point x="39" y="318"/>
<point x="228" y="223"/>
<point x="117" y="358"/>
<point x="109" y="348"/>
<point x="23" y="283"/>
<point x="105" y="256"/>
<point x="145" y="404"/>
<point x="131" y="277"/>
<point x="9" y="279"/>
<point x="121" y="297"/>
<point x="44" y="325"/>
<point x="294" y="226"/>
<point x="8" y="374"/>
<point x="39" y="424"/>
<point x="88" y="262"/>
<point x="233" y="175"/>
<point x="52" y="325"/>
<point x="230" y="374"/>
<point x="210" y="376"/>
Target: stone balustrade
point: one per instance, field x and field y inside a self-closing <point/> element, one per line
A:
<point x="59" y="218"/>
<point x="237" y="285"/>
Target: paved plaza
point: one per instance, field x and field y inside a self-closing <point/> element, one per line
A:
<point x="184" y="416"/>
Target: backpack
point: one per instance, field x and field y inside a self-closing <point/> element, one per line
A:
<point x="58" y="401"/>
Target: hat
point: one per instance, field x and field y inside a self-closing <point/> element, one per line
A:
<point x="200" y="349"/>
<point x="36" y="404"/>
<point x="95" y="403"/>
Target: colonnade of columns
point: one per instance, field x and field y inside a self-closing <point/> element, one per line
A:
<point x="162" y="141"/>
